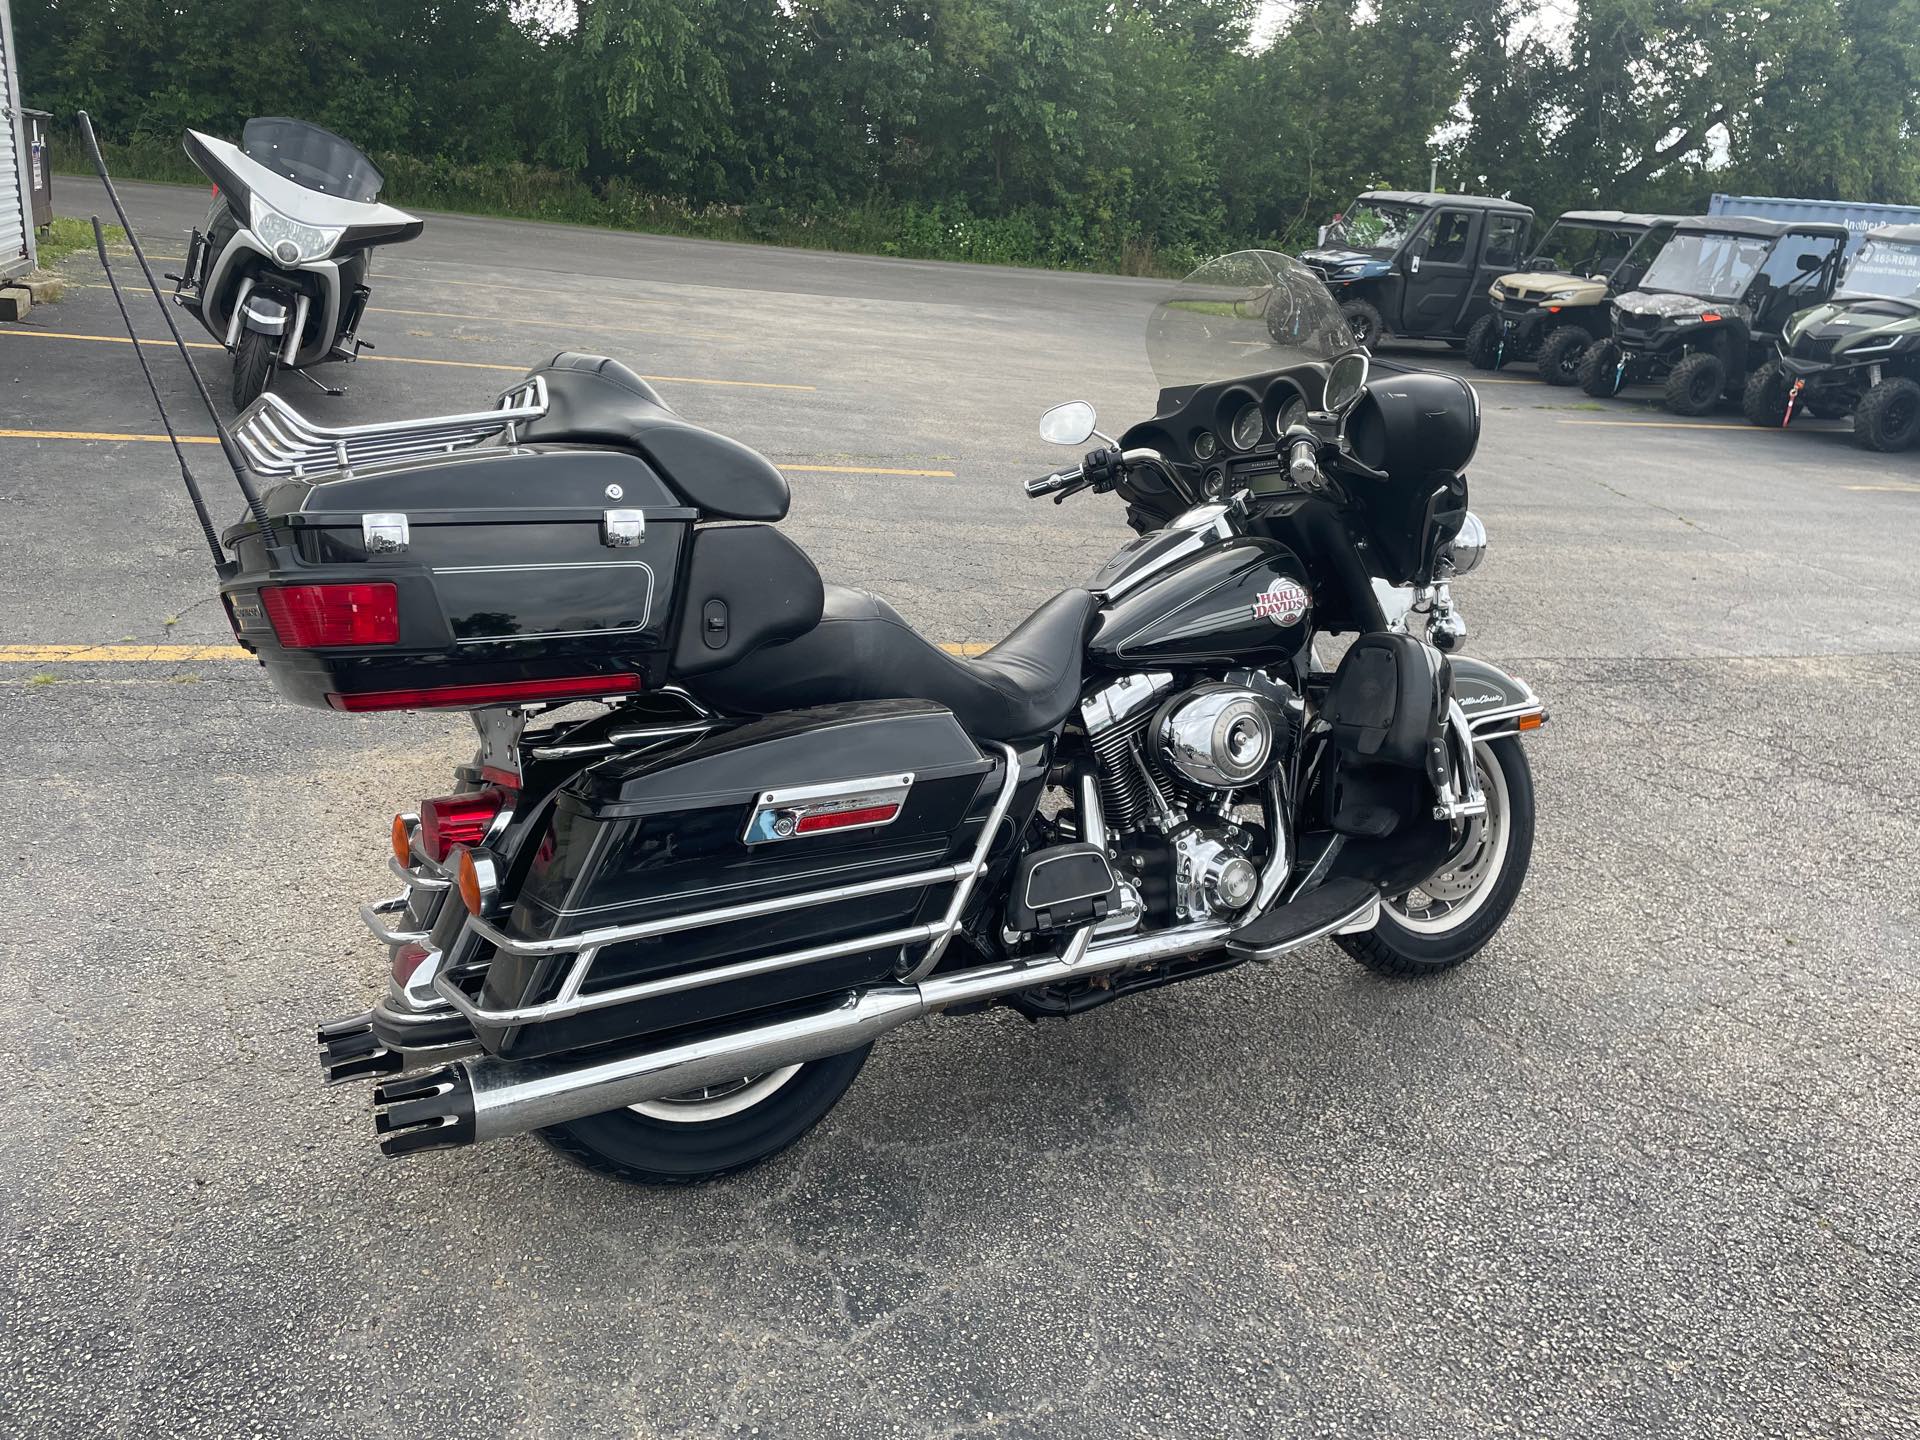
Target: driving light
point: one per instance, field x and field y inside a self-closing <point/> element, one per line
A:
<point x="1467" y="549"/>
<point x="290" y="242"/>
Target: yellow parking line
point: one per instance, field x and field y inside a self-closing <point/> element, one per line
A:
<point x="1666" y="424"/>
<point x="117" y="436"/>
<point x="1896" y="487"/>
<point x="168" y="654"/>
<point x="413" y="360"/>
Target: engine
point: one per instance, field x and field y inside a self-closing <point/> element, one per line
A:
<point x="1176" y="768"/>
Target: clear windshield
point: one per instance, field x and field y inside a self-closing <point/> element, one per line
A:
<point x="1381" y="226"/>
<point x="1575" y="249"/>
<point x="307" y="155"/>
<point x="1885" y="268"/>
<point x="1714" y="267"/>
<point x="1244" y="314"/>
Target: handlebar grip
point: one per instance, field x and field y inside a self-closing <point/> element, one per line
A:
<point x="1056" y="483"/>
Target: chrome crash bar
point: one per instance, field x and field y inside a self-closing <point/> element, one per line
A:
<point x="585" y="945"/>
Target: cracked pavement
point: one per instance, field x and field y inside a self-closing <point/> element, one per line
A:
<point x="1648" y="1166"/>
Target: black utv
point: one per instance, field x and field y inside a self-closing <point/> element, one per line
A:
<point x="1554" y="306"/>
<point x="1711" y="307"/>
<point x="1415" y="264"/>
<point x="1856" y="354"/>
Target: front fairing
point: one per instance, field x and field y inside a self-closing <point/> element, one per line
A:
<point x="1640" y="315"/>
<point x="1338" y="266"/>
<point x="1872" y="329"/>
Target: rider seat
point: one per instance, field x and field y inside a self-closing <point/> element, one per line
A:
<point x="863" y="649"/>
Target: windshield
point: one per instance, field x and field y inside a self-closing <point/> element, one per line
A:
<point x="1575" y="249"/>
<point x="1714" y="267"/>
<point x="307" y="155"/>
<point x="1888" y="269"/>
<point x="1244" y="314"/>
<point x="1378" y="225"/>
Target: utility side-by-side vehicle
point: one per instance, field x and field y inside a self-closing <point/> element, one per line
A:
<point x="1711" y="307"/>
<point x="1856" y="354"/>
<point x="1417" y="265"/>
<point x="1554" y="306"/>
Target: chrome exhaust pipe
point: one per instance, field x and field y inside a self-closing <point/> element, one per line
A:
<point x="470" y="1101"/>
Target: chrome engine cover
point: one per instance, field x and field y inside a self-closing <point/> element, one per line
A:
<point x="1219" y="736"/>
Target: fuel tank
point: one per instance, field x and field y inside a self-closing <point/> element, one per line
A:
<point x="1243" y="602"/>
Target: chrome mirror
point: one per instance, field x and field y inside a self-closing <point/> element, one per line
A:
<point x="1068" y="424"/>
<point x="1345" y="381"/>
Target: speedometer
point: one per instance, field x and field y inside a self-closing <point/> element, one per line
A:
<point x="1247" y="428"/>
<point x="1294" y="412"/>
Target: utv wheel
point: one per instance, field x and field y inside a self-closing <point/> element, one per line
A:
<point x="1483" y="344"/>
<point x="1695" y="385"/>
<point x="1888" y="416"/>
<point x="708" y="1133"/>
<point x="1452" y="914"/>
<point x="1364" y="321"/>
<point x="1764" y="401"/>
<point x="1560" y="356"/>
<point x="1600" y="372"/>
<point x="253" y="361"/>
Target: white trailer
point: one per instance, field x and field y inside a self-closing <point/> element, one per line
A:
<point x="16" y="227"/>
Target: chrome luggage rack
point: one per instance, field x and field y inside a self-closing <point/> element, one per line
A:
<point x="278" y="440"/>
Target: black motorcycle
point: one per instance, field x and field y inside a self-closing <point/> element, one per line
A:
<point x="664" y="930"/>
<point x="279" y="273"/>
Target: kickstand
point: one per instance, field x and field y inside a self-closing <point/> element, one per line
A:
<point x="317" y="384"/>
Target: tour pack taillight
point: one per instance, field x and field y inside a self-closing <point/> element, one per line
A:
<point x="315" y="617"/>
<point x="450" y="820"/>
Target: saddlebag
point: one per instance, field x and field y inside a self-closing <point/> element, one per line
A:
<point x="789" y="857"/>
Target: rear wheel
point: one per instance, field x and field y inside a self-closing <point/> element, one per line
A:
<point x="1600" y="372"/>
<point x="711" y="1132"/>
<point x="1483" y="344"/>
<point x="1888" y="416"/>
<point x="1451" y="915"/>
<point x="253" y="361"/>
<point x="1694" y="386"/>
<point x="1764" y="401"/>
<point x="1364" y="321"/>
<point x="1560" y="356"/>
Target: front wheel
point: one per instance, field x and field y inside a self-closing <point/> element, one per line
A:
<point x="1364" y="321"/>
<point x="1694" y="386"/>
<point x="253" y="361"/>
<point x="1601" y="373"/>
<point x="1452" y="914"/>
<point x="711" y="1132"/>
<point x="1764" y="401"/>
<point x="1888" y="416"/>
<point x="1560" y="356"/>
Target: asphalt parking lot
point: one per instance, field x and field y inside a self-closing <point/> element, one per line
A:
<point x="1648" y="1167"/>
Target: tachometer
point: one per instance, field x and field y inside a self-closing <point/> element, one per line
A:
<point x="1247" y="428"/>
<point x="1294" y="412"/>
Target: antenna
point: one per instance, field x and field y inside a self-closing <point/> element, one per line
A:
<point x="227" y="447"/>
<point x="223" y="566"/>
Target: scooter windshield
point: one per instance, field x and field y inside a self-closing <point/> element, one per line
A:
<point x="1244" y="314"/>
<point x="310" y="156"/>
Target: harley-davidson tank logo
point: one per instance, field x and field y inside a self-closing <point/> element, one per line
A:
<point x="1283" y="602"/>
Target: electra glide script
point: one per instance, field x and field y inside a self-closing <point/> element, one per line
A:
<point x="663" y="930"/>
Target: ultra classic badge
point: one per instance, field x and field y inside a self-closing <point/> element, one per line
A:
<point x="1283" y="602"/>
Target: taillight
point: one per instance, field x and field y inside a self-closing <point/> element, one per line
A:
<point x="475" y="697"/>
<point x="312" y="617"/>
<point x="406" y="960"/>
<point x="450" y="820"/>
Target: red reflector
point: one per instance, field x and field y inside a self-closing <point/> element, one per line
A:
<point x="309" y="617"/>
<point x="495" y="775"/>
<point x="1709" y="317"/>
<point x="845" y="819"/>
<point x="450" y="820"/>
<point x="406" y="960"/>
<point x="474" y="697"/>
<point x="1553" y="309"/>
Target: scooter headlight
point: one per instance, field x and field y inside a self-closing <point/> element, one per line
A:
<point x="290" y="242"/>
<point x="1467" y="549"/>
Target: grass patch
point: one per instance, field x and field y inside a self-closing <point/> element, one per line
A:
<point x="67" y="236"/>
<point x="42" y="679"/>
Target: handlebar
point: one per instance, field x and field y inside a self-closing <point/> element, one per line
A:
<point x="1061" y="483"/>
<point x="1100" y="469"/>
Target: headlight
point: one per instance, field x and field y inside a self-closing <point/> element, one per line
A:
<point x="1557" y="296"/>
<point x="1467" y="549"/>
<point x="290" y="242"/>
<point x="1497" y="292"/>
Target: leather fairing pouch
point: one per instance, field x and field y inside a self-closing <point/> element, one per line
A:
<point x="1388" y="701"/>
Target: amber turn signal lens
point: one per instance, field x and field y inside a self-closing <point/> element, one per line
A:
<point x="1530" y="722"/>
<point x="467" y="877"/>
<point x="402" y="840"/>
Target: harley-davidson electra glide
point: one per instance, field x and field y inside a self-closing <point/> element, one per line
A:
<point x="663" y="931"/>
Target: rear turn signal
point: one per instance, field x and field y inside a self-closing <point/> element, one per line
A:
<point x="478" y="878"/>
<point x="314" y="617"/>
<point x="450" y="820"/>
<point x="403" y="828"/>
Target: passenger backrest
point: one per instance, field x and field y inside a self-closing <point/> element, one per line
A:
<point x="592" y="400"/>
